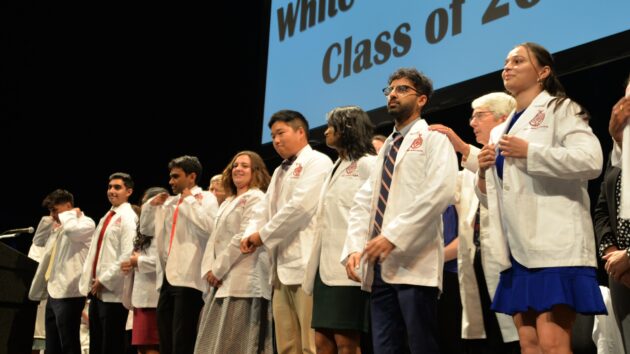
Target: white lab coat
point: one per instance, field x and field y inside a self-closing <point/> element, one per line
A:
<point x="467" y="204"/>
<point x="195" y="221"/>
<point x="73" y="241"/>
<point x="335" y="200"/>
<point x="144" y="294"/>
<point x="285" y="221"/>
<point x="541" y="208"/>
<point x="423" y="185"/>
<point x="242" y="275"/>
<point x="116" y="247"/>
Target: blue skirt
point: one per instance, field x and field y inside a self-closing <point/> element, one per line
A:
<point x="539" y="289"/>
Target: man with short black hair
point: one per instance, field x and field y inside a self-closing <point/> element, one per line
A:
<point x="395" y="228"/>
<point x="66" y="235"/>
<point x="102" y="279"/>
<point x="182" y="225"/>
<point x="284" y="224"/>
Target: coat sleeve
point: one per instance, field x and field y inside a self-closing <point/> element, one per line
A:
<point x="299" y="210"/>
<point x="260" y="213"/>
<point x="77" y="228"/>
<point x="147" y="260"/>
<point x="358" y="221"/>
<point x="44" y="228"/>
<point x="577" y="154"/>
<point x="201" y="210"/>
<point x="471" y="163"/>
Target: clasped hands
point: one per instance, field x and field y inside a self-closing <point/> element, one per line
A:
<point x="617" y="265"/>
<point x="377" y="248"/>
<point x="250" y="243"/>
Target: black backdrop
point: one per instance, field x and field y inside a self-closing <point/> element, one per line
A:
<point x="145" y="82"/>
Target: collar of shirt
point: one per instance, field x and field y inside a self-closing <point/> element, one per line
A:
<point x="407" y="127"/>
<point x="194" y="191"/>
<point x="288" y="162"/>
<point x="122" y="206"/>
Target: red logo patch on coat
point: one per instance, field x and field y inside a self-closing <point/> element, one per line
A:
<point x="243" y="201"/>
<point x="297" y="171"/>
<point x="350" y="170"/>
<point x="199" y="196"/>
<point x="416" y="143"/>
<point x="538" y="119"/>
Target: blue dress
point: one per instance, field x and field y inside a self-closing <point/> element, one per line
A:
<point x="539" y="289"/>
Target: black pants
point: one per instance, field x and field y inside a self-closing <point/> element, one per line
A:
<point x="63" y="321"/>
<point x="493" y="344"/>
<point x="107" y="327"/>
<point x="404" y="317"/>
<point x="178" y="312"/>
<point x="450" y="316"/>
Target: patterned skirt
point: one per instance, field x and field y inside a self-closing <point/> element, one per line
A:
<point x="236" y="326"/>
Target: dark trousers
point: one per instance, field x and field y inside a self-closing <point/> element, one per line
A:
<point x="63" y="320"/>
<point x="450" y="315"/>
<point x="107" y="326"/>
<point x="178" y="312"/>
<point x="493" y="344"/>
<point x="404" y="317"/>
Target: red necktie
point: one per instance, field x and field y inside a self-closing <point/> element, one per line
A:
<point x="170" y="243"/>
<point x="100" y="241"/>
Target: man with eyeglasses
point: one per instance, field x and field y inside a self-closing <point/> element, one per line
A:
<point x="482" y="330"/>
<point x="395" y="229"/>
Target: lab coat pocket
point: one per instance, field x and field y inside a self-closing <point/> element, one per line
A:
<point x="556" y="227"/>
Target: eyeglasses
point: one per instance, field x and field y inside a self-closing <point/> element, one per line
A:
<point x="478" y="115"/>
<point x="400" y="89"/>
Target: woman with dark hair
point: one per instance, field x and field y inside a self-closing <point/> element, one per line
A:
<point x="236" y="317"/>
<point x="340" y="307"/>
<point x="534" y="183"/>
<point x="144" y="296"/>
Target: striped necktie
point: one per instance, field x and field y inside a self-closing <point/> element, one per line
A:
<point x="386" y="180"/>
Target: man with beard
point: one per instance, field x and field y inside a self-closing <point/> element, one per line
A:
<point x="395" y="228"/>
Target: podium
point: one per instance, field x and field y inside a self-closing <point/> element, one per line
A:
<point x="17" y="312"/>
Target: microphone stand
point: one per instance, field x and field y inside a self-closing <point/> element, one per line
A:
<point x="9" y="235"/>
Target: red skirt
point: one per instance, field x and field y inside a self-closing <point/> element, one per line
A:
<point x="145" y="330"/>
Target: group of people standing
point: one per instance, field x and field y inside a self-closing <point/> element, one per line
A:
<point x="320" y="251"/>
